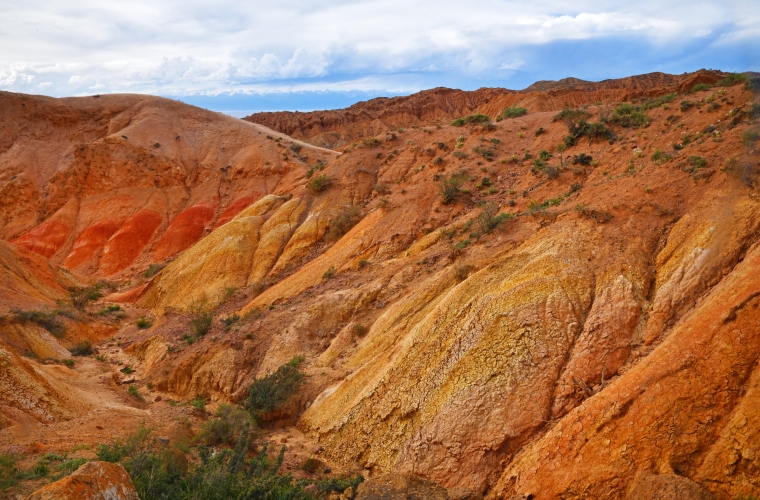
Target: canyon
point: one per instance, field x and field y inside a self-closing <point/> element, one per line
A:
<point x="560" y="301"/>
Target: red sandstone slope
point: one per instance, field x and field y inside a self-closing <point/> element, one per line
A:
<point x="101" y="184"/>
<point x="335" y="128"/>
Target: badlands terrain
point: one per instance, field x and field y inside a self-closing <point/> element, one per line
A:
<point x="548" y="293"/>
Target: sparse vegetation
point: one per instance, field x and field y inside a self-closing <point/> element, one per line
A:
<point x="462" y="272"/>
<point x="450" y="188"/>
<point x="598" y="215"/>
<point x="733" y="79"/>
<point x="701" y="86"/>
<point x="474" y="118"/>
<point x="229" y="422"/>
<point x="49" y="320"/>
<point x="80" y="297"/>
<point x="490" y="218"/>
<point x="347" y="218"/>
<point x="483" y="151"/>
<point x="512" y="113"/>
<point x="582" y="159"/>
<point x="229" y="321"/>
<point x="628" y="115"/>
<point x="134" y="392"/>
<point x="268" y="393"/>
<point x="109" y="309"/>
<point x="143" y="323"/>
<point x="82" y="349"/>
<point x="153" y="269"/>
<point x="329" y="274"/>
<point x="685" y="105"/>
<point x="201" y="318"/>
<point x="359" y="330"/>
<point x="318" y="184"/>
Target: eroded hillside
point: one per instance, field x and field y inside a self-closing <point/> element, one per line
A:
<point x="555" y="305"/>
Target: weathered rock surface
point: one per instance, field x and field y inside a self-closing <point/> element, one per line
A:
<point x="92" y="481"/>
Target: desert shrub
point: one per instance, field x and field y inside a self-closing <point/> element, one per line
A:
<point x="134" y="392"/>
<point x="490" y="218"/>
<point x="701" y="86"/>
<point x="568" y="115"/>
<point x="41" y="468"/>
<point x="371" y="142"/>
<point x="460" y="155"/>
<point x="318" y="184"/>
<point x="230" y="320"/>
<point x="80" y="297"/>
<point x="552" y="172"/>
<point x="628" y="115"/>
<point x="462" y="272"/>
<point x="310" y="465"/>
<point x="229" y="422"/>
<point x="69" y="362"/>
<point x="347" y="218"/>
<point x="540" y="131"/>
<point x="696" y="161"/>
<point x="544" y="155"/>
<point x="329" y="274"/>
<point x="582" y="159"/>
<point x="577" y="126"/>
<point x="127" y="370"/>
<point x="339" y="484"/>
<point x="382" y="188"/>
<point x="750" y="137"/>
<point x="474" y="118"/>
<point x="9" y="471"/>
<point x="198" y="403"/>
<point x="272" y="391"/>
<point x="296" y="148"/>
<point x="82" y="349"/>
<point x="48" y="320"/>
<point x="598" y="215"/>
<point x="143" y="323"/>
<point x="513" y="112"/>
<point x="450" y="188"/>
<point x="359" y="330"/>
<point x="363" y="263"/>
<point x="153" y="269"/>
<point x="201" y="318"/>
<point x="109" y="309"/>
<point x="483" y="151"/>
<point x="685" y="105"/>
<point x="732" y="79"/>
<point x="658" y="101"/>
<point x="485" y="181"/>
<point x="67" y="466"/>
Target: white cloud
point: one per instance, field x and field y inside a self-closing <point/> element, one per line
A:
<point x="193" y="46"/>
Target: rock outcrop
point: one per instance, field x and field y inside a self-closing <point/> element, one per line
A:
<point x="92" y="481"/>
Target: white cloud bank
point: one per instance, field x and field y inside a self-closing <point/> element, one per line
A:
<point x="186" y="47"/>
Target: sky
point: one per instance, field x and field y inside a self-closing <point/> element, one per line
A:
<point x="240" y="57"/>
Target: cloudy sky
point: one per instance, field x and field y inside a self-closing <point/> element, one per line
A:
<point x="238" y="56"/>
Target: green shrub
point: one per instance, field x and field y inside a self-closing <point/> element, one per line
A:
<point x="685" y="105"/>
<point x="750" y="137"/>
<point x="359" y="330"/>
<point x="513" y="112"/>
<point x="658" y="101"/>
<point x="329" y="274"/>
<point x="69" y="362"/>
<point x="48" y="320"/>
<point x="490" y="218"/>
<point x="450" y="188"/>
<point x="733" y="79"/>
<point x="318" y="184"/>
<point x="143" y="323"/>
<point x="544" y="155"/>
<point x="134" y="392"/>
<point x="109" y="309"/>
<point x="540" y="131"/>
<point x="296" y="148"/>
<point x="127" y="370"/>
<point x="229" y="423"/>
<point x="701" y="86"/>
<point x="80" y="297"/>
<point x="474" y="118"/>
<point x="568" y="115"/>
<point x="696" y="161"/>
<point x="67" y="466"/>
<point x="152" y="270"/>
<point x="339" y="484"/>
<point x="9" y="471"/>
<point x="628" y="115"/>
<point x="198" y="404"/>
<point x="82" y="349"/>
<point x="270" y="392"/>
<point x="582" y="159"/>
<point x="371" y="142"/>
<point x="347" y="218"/>
<point x="486" y="153"/>
<point x="230" y="320"/>
<point x="41" y="468"/>
<point x="201" y="319"/>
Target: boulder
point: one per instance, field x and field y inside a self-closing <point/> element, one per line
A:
<point x="92" y="481"/>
